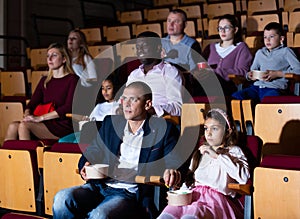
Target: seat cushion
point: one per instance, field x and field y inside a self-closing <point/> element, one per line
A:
<point x="281" y="99"/>
<point x="281" y="162"/>
<point x="20" y="216"/>
<point x="68" y="147"/>
<point x="30" y="145"/>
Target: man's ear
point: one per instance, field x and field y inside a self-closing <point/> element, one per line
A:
<point x="148" y="104"/>
<point x="281" y="39"/>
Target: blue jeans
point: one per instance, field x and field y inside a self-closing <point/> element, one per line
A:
<point x="255" y="93"/>
<point x="95" y="201"/>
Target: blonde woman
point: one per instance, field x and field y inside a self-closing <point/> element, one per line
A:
<point x="57" y="88"/>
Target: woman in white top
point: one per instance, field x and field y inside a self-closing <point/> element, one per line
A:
<point x="82" y="61"/>
<point x="214" y="164"/>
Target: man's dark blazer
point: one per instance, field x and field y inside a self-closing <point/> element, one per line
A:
<point x="158" y="151"/>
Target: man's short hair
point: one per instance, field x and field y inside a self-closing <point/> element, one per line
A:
<point x="275" y="26"/>
<point x="147" y="34"/>
<point x="179" y="11"/>
<point x="146" y="90"/>
<point x="155" y="38"/>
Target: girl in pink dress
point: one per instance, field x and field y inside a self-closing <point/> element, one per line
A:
<point x="214" y="164"/>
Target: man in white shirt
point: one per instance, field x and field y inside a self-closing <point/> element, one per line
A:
<point x="163" y="78"/>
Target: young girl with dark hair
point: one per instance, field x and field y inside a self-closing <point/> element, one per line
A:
<point x="108" y="106"/>
<point x="217" y="162"/>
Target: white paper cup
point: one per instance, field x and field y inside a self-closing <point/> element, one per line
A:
<point x="180" y="197"/>
<point x="258" y="74"/>
<point x="96" y="171"/>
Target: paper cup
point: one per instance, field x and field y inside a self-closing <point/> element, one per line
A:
<point x="202" y="65"/>
<point x="180" y="197"/>
<point x="258" y="74"/>
<point x="96" y="171"/>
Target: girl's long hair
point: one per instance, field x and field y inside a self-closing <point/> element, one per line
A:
<point x="230" y="138"/>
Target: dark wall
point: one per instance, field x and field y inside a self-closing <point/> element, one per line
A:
<point x="40" y="32"/>
<point x="67" y="9"/>
<point x="20" y="17"/>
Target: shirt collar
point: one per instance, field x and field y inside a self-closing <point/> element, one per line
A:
<point x="138" y="132"/>
<point x="159" y="66"/>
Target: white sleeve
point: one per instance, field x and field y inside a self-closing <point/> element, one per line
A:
<point x="173" y="82"/>
<point x="90" y="69"/>
<point x="235" y="164"/>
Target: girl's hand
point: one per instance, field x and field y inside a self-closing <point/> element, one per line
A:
<point x="208" y="150"/>
<point x="82" y="171"/>
<point x="172" y="178"/>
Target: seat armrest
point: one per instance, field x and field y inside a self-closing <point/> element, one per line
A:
<point x="292" y="76"/>
<point x="243" y="189"/>
<point x="237" y="79"/>
<point x="174" y="119"/>
<point x="76" y="117"/>
<point x="152" y="180"/>
<point x="296" y="80"/>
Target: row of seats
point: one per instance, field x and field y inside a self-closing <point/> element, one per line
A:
<point x="59" y="164"/>
<point x="13" y="90"/>
<point x="196" y="27"/>
<point x="202" y="29"/>
<point x="124" y="49"/>
<point x="242" y="6"/>
<point x="251" y="119"/>
<point x="199" y="13"/>
<point x="210" y="9"/>
<point x="36" y="172"/>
